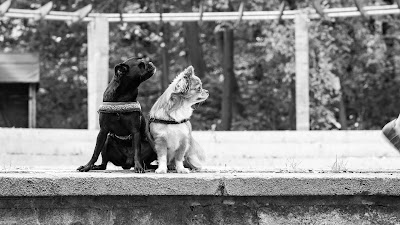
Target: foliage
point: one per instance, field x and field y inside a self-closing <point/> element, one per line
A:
<point x="350" y="58"/>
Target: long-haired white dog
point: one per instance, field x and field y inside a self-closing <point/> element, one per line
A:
<point x="170" y="126"/>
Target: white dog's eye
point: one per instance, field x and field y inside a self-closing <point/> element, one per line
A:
<point x="199" y="89"/>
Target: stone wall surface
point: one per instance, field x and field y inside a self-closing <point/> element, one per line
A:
<point x="123" y="197"/>
<point x="200" y="210"/>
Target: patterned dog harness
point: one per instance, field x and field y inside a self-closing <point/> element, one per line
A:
<point x="120" y="107"/>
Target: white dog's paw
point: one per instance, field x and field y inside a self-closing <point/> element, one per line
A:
<point x="182" y="170"/>
<point x="161" y="170"/>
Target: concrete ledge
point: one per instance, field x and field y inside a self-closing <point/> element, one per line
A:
<point x="127" y="183"/>
<point x="123" y="197"/>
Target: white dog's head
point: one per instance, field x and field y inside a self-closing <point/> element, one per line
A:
<point x="176" y="102"/>
<point x="188" y="86"/>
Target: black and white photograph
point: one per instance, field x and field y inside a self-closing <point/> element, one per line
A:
<point x="167" y="112"/>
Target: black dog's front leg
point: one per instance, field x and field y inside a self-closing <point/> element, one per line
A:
<point x="101" y="139"/>
<point x="137" y="151"/>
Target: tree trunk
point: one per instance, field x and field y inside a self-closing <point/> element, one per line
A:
<point x="396" y="65"/>
<point x="165" y="30"/>
<point x="292" y="107"/>
<point x="192" y="41"/>
<point x="193" y="45"/>
<point x="237" y="108"/>
<point x="227" y="95"/>
<point x="342" y="113"/>
<point x="342" y="108"/>
<point x="165" y="64"/>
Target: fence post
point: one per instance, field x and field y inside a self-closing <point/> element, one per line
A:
<point x="302" y="72"/>
<point x="98" y="47"/>
<point x="32" y="106"/>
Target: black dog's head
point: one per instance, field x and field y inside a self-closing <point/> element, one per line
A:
<point x="132" y="68"/>
<point x="127" y="78"/>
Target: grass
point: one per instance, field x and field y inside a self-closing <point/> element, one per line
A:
<point x="339" y="165"/>
<point x="292" y="164"/>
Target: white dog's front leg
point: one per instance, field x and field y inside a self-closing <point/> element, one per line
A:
<point x="180" y="168"/>
<point x="162" y="164"/>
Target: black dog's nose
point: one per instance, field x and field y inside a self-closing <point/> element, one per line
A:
<point x="144" y="58"/>
<point x="142" y="65"/>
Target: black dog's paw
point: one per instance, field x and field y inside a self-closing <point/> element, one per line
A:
<point x="84" y="168"/>
<point x="138" y="168"/>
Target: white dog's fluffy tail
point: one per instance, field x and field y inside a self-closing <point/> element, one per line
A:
<point x="195" y="157"/>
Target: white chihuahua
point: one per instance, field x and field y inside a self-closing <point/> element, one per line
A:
<point x="170" y="126"/>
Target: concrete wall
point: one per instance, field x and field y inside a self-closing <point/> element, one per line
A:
<point x="216" y="196"/>
<point x="335" y="210"/>
<point x="59" y="197"/>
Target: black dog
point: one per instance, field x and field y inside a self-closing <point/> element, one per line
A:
<point x="123" y="136"/>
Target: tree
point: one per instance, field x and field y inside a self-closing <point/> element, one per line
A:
<point x="164" y="32"/>
<point x="354" y="76"/>
<point x="225" y="32"/>
<point x="193" y="45"/>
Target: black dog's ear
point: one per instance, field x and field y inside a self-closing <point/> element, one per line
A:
<point x="121" y="69"/>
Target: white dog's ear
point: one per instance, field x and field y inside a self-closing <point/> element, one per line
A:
<point x="189" y="71"/>
<point x="183" y="85"/>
